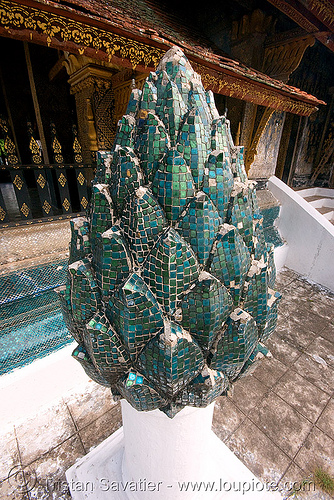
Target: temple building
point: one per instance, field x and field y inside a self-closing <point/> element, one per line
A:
<point x="68" y="67"/>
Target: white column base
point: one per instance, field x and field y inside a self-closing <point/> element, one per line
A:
<point x="154" y="457"/>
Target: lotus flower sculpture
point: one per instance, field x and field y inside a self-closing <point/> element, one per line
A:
<point x="169" y="293"/>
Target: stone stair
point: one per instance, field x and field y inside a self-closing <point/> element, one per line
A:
<point x="322" y="199"/>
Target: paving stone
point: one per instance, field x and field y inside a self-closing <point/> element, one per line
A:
<point x="323" y="348"/>
<point x="309" y="320"/>
<point x="258" y="452"/>
<point x="296" y="480"/>
<point x="89" y="405"/>
<point x="328" y="332"/>
<point x="94" y="433"/>
<point x="315" y="371"/>
<point x="50" y="470"/>
<point x="295" y="293"/>
<point x="12" y="491"/>
<point x="281" y="423"/>
<point x="323" y="305"/>
<point x="226" y="418"/>
<point x="305" y="397"/>
<point x="9" y="454"/>
<point x="45" y="431"/>
<point x="326" y="420"/>
<point x="295" y="333"/>
<point x="248" y="392"/>
<point x="317" y="450"/>
<point x="282" y="350"/>
<point x="269" y="371"/>
<point x="285" y="277"/>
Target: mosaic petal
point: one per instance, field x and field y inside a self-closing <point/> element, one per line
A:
<point x="204" y="389"/>
<point x="151" y="144"/>
<point x="148" y="101"/>
<point x="142" y="222"/>
<point x="101" y="212"/>
<point x="237" y="163"/>
<point x="192" y="144"/>
<point x="229" y="260"/>
<point x="267" y="327"/>
<point x="125" y="131"/>
<point x="198" y="225"/>
<point x="219" y="140"/>
<point x="171" y="359"/>
<point x="254" y="295"/>
<point x="204" y="308"/>
<point x="85" y="294"/>
<point x="238" y="340"/>
<point x="138" y="391"/>
<point x="240" y="213"/>
<point x="112" y="261"/>
<point x="135" y="314"/>
<point x="126" y="176"/>
<point x="106" y="350"/>
<point x="218" y="181"/>
<point x="172" y="110"/>
<point x="81" y="355"/>
<point x="80" y="243"/>
<point x="133" y="104"/>
<point x="103" y="167"/>
<point x="173" y="184"/>
<point x="170" y="269"/>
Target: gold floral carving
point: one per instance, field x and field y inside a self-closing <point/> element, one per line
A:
<point x="2" y="214"/>
<point x="57" y="28"/>
<point x="247" y="91"/>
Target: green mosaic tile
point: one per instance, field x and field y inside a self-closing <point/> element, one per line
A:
<point x="236" y="343"/>
<point x="230" y="260"/>
<point x="170" y="269"/>
<point x="240" y="213"/>
<point x="203" y="389"/>
<point x="80" y="246"/>
<point x="80" y="354"/>
<point x="105" y="348"/>
<point x="142" y="222"/>
<point x="112" y="261"/>
<point x="103" y="167"/>
<point x="151" y="144"/>
<point x="268" y="326"/>
<point x="133" y="104"/>
<point x="237" y="163"/>
<point x="218" y="182"/>
<point x="219" y="139"/>
<point x="134" y="312"/>
<point x="126" y="177"/>
<point x="100" y="213"/>
<point x="125" y="132"/>
<point x="173" y="185"/>
<point x="254" y="295"/>
<point x="172" y="111"/>
<point x="138" y="391"/>
<point x="192" y="144"/>
<point x="171" y="359"/>
<point x="204" y="308"/>
<point x="85" y="294"/>
<point x="199" y="224"/>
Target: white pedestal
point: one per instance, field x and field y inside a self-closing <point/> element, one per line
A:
<point x="155" y="457"/>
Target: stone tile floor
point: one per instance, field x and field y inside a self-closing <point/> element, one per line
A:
<point x="279" y="420"/>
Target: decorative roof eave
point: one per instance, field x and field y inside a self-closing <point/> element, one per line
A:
<point x="80" y="34"/>
<point x="315" y="16"/>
